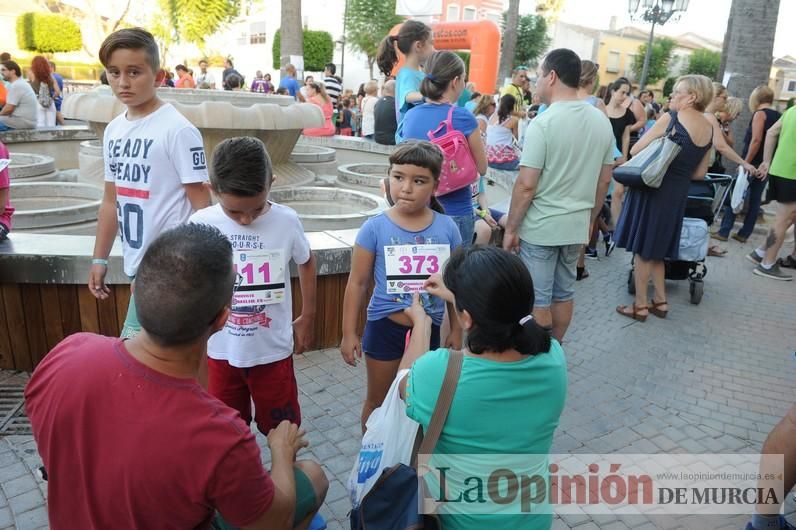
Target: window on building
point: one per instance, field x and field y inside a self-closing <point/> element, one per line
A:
<point x="612" y="64"/>
<point x="496" y="18"/>
<point x="257" y="33"/>
<point x="453" y="13"/>
<point x="469" y="13"/>
<point x="791" y="86"/>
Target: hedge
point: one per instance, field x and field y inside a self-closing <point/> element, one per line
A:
<point x="48" y="33"/>
<point x="318" y="50"/>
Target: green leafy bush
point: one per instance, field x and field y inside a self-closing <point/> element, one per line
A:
<point x="48" y="33"/>
<point x="318" y="50"/>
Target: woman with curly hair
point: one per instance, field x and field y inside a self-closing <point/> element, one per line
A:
<point x="46" y="90"/>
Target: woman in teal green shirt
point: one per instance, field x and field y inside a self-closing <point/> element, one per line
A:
<point x="513" y="382"/>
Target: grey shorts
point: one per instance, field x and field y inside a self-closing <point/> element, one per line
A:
<point x="553" y="271"/>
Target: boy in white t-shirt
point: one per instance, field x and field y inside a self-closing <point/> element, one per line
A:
<point x="154" y="163"/>
<point x="252" y="357"/>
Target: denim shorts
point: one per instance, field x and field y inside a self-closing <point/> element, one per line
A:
<point x="466" y="225"/>
<point x="385" y="340"/>
<point x="552" y="271"/>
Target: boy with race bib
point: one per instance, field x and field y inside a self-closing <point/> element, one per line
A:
<point x="154" y="163"/>
<point x="399" y="249"/>
<point x="252" y="357"/>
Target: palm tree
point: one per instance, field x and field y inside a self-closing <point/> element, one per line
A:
<point x="748" y="47"/>
<point x="291" y="35"/>
<point x="509" y="41"/>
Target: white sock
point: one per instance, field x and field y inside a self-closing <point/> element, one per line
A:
<point x="766" y="266"/>
<point x="760" y="253"/>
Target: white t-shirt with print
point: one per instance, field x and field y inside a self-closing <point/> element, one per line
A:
<point x="149" y="160"/>
<point x="260" y="328"/>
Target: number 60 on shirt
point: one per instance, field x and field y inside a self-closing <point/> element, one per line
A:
<point x="409" y="266"/>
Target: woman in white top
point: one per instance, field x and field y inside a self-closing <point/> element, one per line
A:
<point x="483" y="111"/>
<point x="369" y="109"/>
<point x="501" y="133"/>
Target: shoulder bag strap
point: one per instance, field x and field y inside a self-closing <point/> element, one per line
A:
<point x="672" y="121"/>
<point x="444" y="400"/>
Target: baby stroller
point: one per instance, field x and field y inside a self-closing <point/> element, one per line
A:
<point x="705" y="197"/>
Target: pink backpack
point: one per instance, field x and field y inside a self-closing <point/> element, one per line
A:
<point x="458" y="166"/>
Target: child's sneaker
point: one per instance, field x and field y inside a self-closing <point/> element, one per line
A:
<point x="591" y="253"/>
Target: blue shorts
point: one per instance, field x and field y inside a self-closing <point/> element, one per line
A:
<point x="553" y="271"/>
<point x="385" y="340"/>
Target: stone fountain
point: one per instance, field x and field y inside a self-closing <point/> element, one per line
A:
<point x="276" y="120"/>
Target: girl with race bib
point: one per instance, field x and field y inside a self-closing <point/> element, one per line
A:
<point x="398" y="250"/>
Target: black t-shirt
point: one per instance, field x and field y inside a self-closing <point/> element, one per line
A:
<point x="386" y="122"/>
<point x="619" y="124"/>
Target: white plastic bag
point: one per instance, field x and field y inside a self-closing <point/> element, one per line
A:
<point x="388" y="441"/>
<point x="693" y="240"/>
<point x="739" y="191"/>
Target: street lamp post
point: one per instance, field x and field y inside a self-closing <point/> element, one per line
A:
<point x="656" y="12"/>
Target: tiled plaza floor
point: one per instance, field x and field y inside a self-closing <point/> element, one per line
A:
<point x="712" y="378"/>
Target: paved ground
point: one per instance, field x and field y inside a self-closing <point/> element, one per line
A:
<point x="710" y="378"/>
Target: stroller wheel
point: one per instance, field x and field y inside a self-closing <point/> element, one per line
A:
<point x="697" y="290"/>
<point x="631" y="283"/>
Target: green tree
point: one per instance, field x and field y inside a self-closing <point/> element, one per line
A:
<point x="48" y="33"/>
<point x="659" y="60"/>
<point x="704" y="62"/>
<point x="193" y="20"/>
<point x="668" y="86"/>
<point x="318" y="49"/>
<point x="367" y="23"/>
<point x="532" y="39"/>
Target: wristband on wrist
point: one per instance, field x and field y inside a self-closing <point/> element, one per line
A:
<point x="99" y="261"/>
<point x="481" y="214"/>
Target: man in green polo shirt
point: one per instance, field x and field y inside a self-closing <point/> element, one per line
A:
<point x="782" y="188"/>
<point x="554" y="196"/>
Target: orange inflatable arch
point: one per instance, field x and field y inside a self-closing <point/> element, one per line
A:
<point x="481" y="37"/>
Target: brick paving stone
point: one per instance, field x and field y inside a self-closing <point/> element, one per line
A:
<point x="6" y="518"/>
<point x="25" y="502"/>
<point x="32" y="519"/>
<point x="19" y="485"/>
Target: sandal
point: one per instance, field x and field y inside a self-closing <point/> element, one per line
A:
<point x="582" y="274"/>
<point x="660" y="313"/>
<point x="717" y="251"/>
<point x="622" y="310"/>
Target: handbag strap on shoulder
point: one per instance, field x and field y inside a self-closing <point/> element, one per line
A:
<point x="672" y="121"/>
<point x="444" y="400"/>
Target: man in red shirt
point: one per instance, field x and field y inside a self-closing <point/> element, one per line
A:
<point x="131" y="440"/>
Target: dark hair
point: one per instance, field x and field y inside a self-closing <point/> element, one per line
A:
<point x="104" y="78"/>
<point x="565" y="63"/>
<point x="346" y="103"/>
<point x="411" y="31"/>
<point x="131" y="39"/>
<point x="183" y="282"/>
<point x="181" y="67"/>
<point x="613" y="87"/>
<point x="331" y="67"/>
<point x="202" y="61"/>
<point x="361" y="91"/>
<point x="234" y="81"/>
<point x="282" y="91"/>
<point x="505" y="107"/>
<point x="5" y="56"/>
<point x="503" y="298"/>
<point x="419" y="153"/>
<point x="11" y="65"/>
<point x="475" y="95"/>
<point x="241" y="166"/>
<point x="441" y="68"/>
